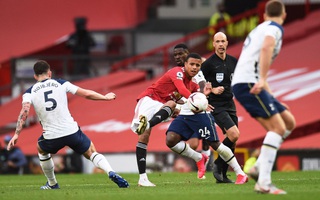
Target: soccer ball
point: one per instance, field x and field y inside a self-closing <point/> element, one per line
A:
<point x="197" y="102"/>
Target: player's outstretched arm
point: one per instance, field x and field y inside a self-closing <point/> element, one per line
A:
<point x="202" y="85"/>
<point x="182" y="88"/>
<point x="92" y="95"/>
<point x="21" y="121"/>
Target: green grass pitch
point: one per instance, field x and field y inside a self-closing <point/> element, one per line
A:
<point x="174" y="186"/>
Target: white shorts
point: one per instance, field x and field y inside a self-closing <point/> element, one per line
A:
<point x="147" y="107"/>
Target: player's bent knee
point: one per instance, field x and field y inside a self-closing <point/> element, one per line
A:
<point x="233" y="137"/>
<point x="193" y="145"/>
<point x="233" y="134"/>
<point x="170" y="144"/>
<point x="172" y="139"/>
<point x="90" y="151"/>
<point x="171" y="104"/>
<point x="291" y="124"/>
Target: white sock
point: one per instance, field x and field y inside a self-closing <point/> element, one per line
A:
<point x="270" y="146"/>
<point x="47" y="166"/>
<point x="184" y="149"/>
<point x="257" y="164"/>
<point x="286" y="134"/>
<point x="143" y="176"/>
<point x="206" y="152"/>
<point x="227" y="155"/>
<point x="101" y="162"/>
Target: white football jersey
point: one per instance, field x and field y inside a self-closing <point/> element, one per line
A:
<point x="185" y="110"/>
<point x="49" y="99"/>
<point x="199" y="77"/>
<point x="247" y="69"/>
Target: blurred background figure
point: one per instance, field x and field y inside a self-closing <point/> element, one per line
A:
<point x="183" y="165"/>
<point x="251" y="161"/>
<point x="59" y="164"/>
<point x="3" y="158"/>
<point x="13" y="161"/>
<point x="217" y="17"/>
<point x="73" y="161"/>
<point x="115" y="46"/>
<point x="34" y="165"/>
<point x="80" y="43"/>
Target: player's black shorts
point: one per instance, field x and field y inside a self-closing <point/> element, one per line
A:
<point x="77" y="141"/>
<point x="225" y="120"/>
<point x="225" y="114"/>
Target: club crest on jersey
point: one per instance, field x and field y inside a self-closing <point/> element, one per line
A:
<point x="219" y="77"/>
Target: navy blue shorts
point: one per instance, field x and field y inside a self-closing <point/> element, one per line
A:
<point x="78" y="141"/>
<point x="194" y="135"/>
<point x="262" y="105"/>
<point x="201" y="124"/>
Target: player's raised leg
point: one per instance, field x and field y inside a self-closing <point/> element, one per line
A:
<point x="163" y="114"/>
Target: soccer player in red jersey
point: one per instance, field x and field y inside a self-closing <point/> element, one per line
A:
<point x="158" y="103"/>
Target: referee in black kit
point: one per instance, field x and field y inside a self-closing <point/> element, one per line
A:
<point x="218" y="69"/>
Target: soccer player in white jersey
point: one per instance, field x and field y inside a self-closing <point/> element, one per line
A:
<point x="188" y="123"/>
<point x="49" y="99"/>
<point x="251" y="89"/>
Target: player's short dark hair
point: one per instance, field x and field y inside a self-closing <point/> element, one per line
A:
<point x="41" y="67"/>
<point x="274" y="8"/>
<point x="181" y="45"/>
<point x="193" y="55"/>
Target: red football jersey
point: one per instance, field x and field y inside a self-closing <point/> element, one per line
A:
<point x="171" y="86"/>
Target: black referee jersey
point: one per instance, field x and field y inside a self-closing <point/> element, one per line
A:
<point x="219" y="72"/>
